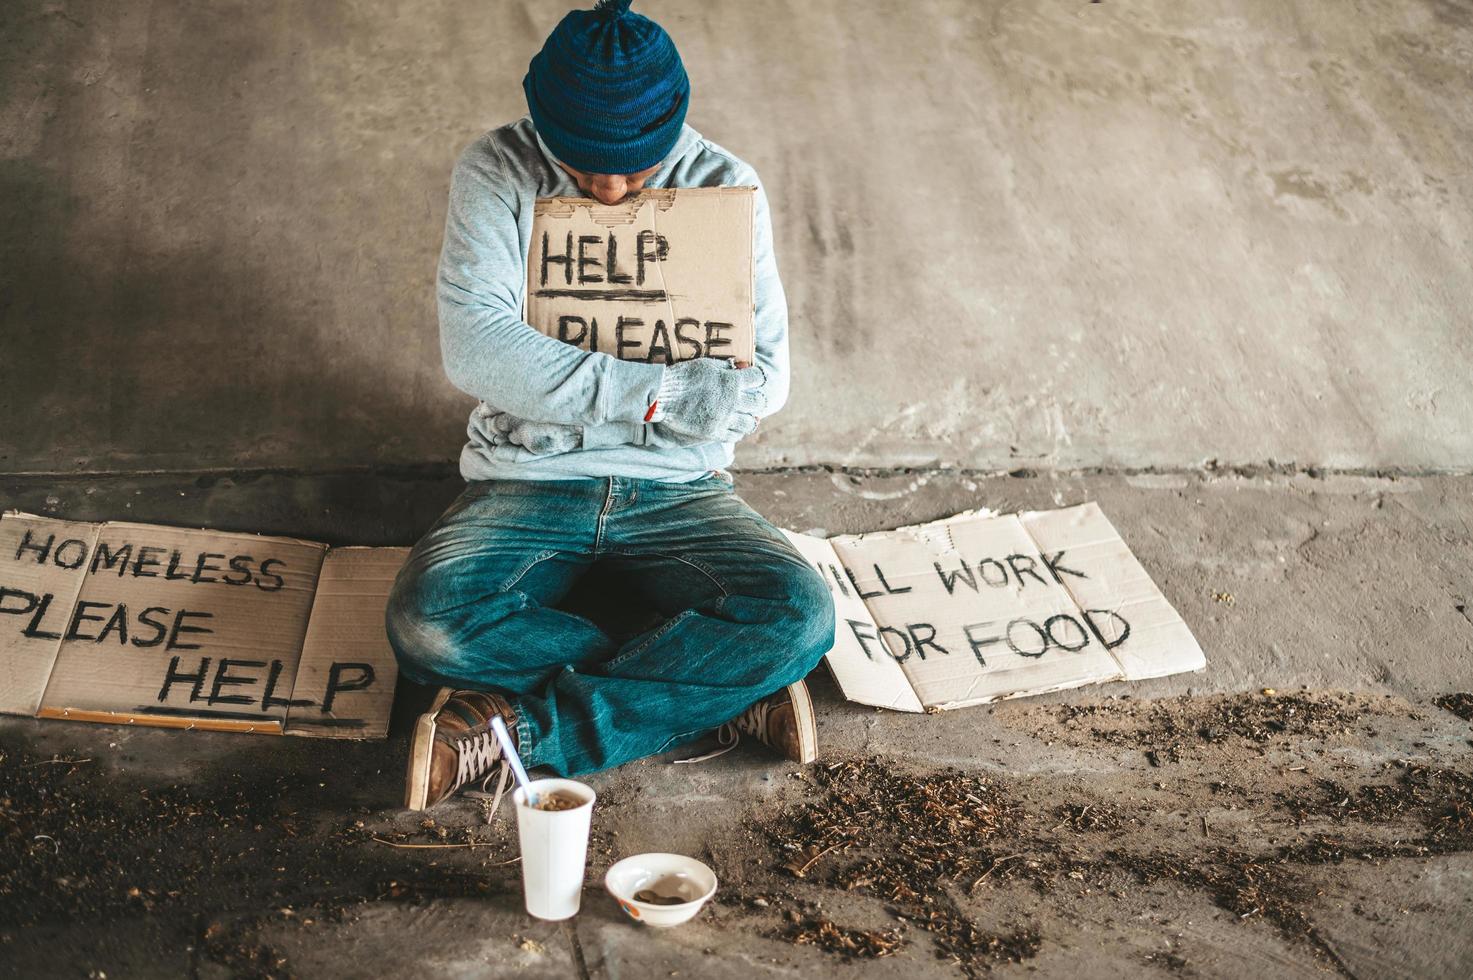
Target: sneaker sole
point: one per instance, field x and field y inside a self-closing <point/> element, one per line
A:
<point x="807" y="724"/>
<point x="421" y="751"/>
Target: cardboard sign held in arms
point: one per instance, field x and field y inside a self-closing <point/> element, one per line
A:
<point x="152" y="625"/>
<point x="661" y="277"/>
<point x="980" y="607"/>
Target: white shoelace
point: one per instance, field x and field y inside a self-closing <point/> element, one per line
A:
<point x="474" y="756"/>
<point x="479" y="756"/>
<point x="727" y="738"/>
<point x="753" y="722"/>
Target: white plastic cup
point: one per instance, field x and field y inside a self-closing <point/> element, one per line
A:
<point x="554" y="848"/>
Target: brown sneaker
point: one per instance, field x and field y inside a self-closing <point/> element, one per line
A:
<point x="785" y="722"/>
<point x="453" y="745"/>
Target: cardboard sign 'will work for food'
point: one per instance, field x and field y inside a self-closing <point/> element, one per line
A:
<point x="663" y="276"/>
<point x="152" y="625"/>
<point x="980" y="607"/>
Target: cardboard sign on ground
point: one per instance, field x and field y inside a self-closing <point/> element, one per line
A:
<point x="661" y="277"/>
<point x="980" y="607"/>
<point x="153" y="625"/>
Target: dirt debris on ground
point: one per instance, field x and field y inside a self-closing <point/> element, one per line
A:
<point x="906" y="839"/>
<point x="860" y="857"/>
<point x="1166" y="729"/>
<point x="218" y="849"/>
<point x="1459" y="704"/>
<point x="925" y="846"/>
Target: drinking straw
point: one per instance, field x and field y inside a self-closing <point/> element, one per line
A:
<point x="510" y="751"/>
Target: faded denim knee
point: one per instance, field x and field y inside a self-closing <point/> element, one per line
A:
<point x="814" y="606"/>
<point x="803" y="628"/>
<point x="417" y="644"/>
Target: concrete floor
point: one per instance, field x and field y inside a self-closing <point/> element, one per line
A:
<point x="1074" y="234"/>
<point x="1338" y="583"/>
<point x="1208" y="262"/>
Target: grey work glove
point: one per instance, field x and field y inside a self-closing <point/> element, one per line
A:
<point x="538" y="438"/>
<point x="710" y="399"/>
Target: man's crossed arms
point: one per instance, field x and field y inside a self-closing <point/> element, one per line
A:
<point x="699" y="401"/>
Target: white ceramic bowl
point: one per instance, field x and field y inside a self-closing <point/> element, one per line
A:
<point x="674" y="875"/>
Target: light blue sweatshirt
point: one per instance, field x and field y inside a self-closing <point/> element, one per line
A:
<point x="493" y="355"/>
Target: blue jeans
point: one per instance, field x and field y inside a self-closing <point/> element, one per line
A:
<point x="474" y="607"/>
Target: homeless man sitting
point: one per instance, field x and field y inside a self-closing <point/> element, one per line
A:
<point x="576" y="458"/>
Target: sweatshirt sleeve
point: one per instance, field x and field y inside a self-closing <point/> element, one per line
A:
<point x="489" y="351"/>
<point x="771" y="314"/>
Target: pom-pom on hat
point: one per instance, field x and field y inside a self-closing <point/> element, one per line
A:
<point x="608" y="91"/>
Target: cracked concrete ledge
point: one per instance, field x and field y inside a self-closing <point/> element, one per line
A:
<point x="1208" y="468"/>
<point x="1337" y="580"/>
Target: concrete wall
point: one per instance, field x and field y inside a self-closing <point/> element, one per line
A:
<point x="1013" y="234"/>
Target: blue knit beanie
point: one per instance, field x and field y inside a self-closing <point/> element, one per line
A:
<point x="608" y="92"/>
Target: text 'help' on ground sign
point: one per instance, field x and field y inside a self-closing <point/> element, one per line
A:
<point x="663" y="276"/>
<point x="153" y="625"/>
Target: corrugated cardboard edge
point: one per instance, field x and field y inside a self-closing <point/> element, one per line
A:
<point x="664" y="198"/>
<point x="902" y="696"/>
<point x="987" y="513"/>
<point x="1128" y="676"/>
<point x="264" y="727"/>
<point x="35" y="699"/>
<point x="267" y="726"/>
<point x="1031" y="692"/>
<point x="322" y="638"/>
<point x="55" y="705"/>
<point x="178" y="527"/>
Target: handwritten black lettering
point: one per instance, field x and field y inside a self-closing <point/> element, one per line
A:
<point x="649" y="248"/>
<point x="144" y="559"/>
<point x="1060" y="620"/>
<point x="75" y="544"/>
<point x="565" y="260"/>
<point x="181" y="626"/>
<point x="42" y="551"/>
<point x="927" y="640"/>
<point x="998" y="581"/>
<point x="239" y="565"/>
<point x="160" y="629"/>
<point x="659" y="344"/>
<point x="1043" y="642"/>
<point x="269" y="700"/>
<point x="224" y="679"/>
<point x="79" y="616"/>
<point x="900" y="658"/>
<point x="681" y="338"/>
<point x="586" y="261"/>
<point x="623" y="324"/>
<point x="173" y="676"/>
<point x="963" y="573"/>
<point x="201" y="566"/>
<point x="1029" y="568"/>
<point x="172" y="573"/>
<point x="1089" y="617"/>
<point x="119" y="622"/>
<point x="564" y="332"/>
<point x="269" y="581"/>
<point x="336" y="684"/>
<point x="978" y="643"/>
<point x="1051" y="562"/>
<point x="105" y="558"/>
<point x="859" y="628"/>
